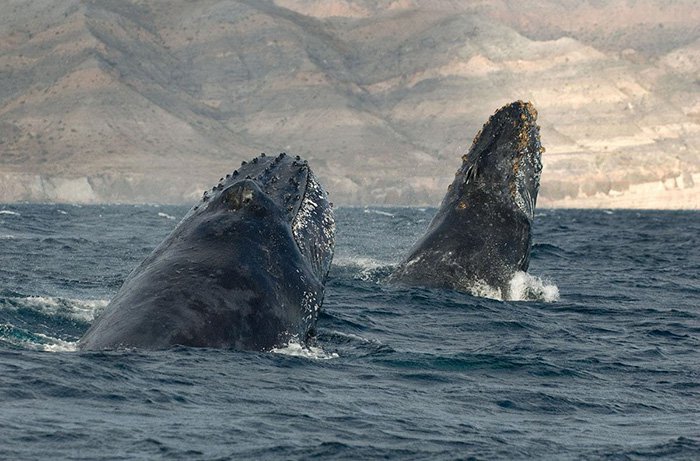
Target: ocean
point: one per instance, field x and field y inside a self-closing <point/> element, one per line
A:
<point x="600" y="360"/>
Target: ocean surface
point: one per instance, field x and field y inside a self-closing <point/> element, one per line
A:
<point x="602" y="361"/>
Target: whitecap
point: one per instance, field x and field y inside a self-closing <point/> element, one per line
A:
<point x="9" y="213"/>
<point x="165" y="215"/>
<point x="379" y="212"/>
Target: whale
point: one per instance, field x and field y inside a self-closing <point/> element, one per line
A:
<point x="244" y="269"/>
<point x="481" y="234"/>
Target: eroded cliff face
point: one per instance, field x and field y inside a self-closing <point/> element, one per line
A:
<point x="152" y="101"/>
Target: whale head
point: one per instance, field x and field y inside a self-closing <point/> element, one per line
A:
<point x="278" y="189"/>
<point x="482" y="232"/>
<point x="503" y="163"/>
<point x="244" y="269"/>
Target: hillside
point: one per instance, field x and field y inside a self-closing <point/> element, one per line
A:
<point x="154" y="101"/>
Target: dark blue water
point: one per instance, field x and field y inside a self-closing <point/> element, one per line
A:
<point x="610" y="370"/>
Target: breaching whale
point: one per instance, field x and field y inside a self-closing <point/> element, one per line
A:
<point x="481" y="234"/>
<point x="244" y="269"/>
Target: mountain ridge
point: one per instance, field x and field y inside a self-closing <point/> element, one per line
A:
<point x="141" y="101"/>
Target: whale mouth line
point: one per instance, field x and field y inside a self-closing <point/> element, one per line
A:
<point x="313" y="226"/>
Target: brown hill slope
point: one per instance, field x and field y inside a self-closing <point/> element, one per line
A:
<point x="153" y="101"/>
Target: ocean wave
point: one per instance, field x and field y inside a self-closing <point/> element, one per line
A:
<point x="9" y="213"/>
<point x="165" y="215"/>
<point x="546" y="250"/>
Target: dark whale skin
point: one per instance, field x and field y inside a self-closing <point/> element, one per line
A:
<point x="482" y="232"/>
<point x="244" y="269"/>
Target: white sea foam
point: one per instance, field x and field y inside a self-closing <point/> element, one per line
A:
<point x="295" y="349"/>
<point x="7" y="237"/>
<point x="522" y="287"/>
<point x="483" y="290"/>
<point x="55" y="344"/>
<point x="9" y="213"/>
<point x="34" y="341"/>
<point x="83" y="310"/>
<point x="165" y="215"/>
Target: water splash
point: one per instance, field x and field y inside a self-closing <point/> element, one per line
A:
<point x="522" y="287"/>
<point x="526" y="287"/>
<point x="296" y="349"/>
<point x="482" y="289"/>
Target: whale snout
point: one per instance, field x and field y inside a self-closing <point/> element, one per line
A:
<point x="505" y="159"/>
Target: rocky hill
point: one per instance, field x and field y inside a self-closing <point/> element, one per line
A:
<point x="137" y="101"/>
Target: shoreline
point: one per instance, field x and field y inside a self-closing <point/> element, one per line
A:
<point x="19" y="188"/>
